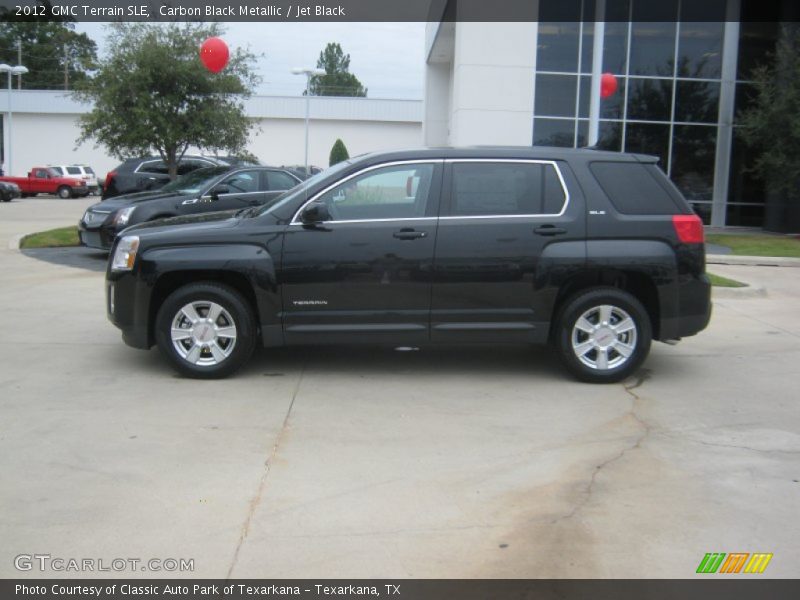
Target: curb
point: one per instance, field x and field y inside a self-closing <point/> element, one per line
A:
<point x="15" y="241"/>
<point x="722" y="293"/>
<point x="752" y="261"/>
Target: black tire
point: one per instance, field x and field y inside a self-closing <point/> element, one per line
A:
<point x="231" y="303"/>
<point x="588" y="303"/>
<point x="64" y="192"/>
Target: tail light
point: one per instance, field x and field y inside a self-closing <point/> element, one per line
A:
<point x="109" y="176"/>
<point x="689" y="229"/>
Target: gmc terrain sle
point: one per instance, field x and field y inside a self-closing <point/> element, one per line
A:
<point x="594" y="252"/>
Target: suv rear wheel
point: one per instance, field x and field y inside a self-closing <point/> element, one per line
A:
<point x="603" y="335"/>
<point x="206" y="330"/>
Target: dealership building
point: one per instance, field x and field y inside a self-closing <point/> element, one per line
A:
<point x="682" y="79"/>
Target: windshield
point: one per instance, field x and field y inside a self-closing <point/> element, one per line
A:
<point x="54" y="171"/>
<point x="302" y="188"/>
<point x="196" y="181"/>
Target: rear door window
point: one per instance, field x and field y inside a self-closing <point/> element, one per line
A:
<point x="74" y="171"/>
<point x="484" y="189"/>
<point x="634" y="188"/>
<point x="278" y="180"/>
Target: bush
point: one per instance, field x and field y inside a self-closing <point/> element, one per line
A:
<point x="338" y="153"/>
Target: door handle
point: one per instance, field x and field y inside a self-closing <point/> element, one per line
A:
<point x="549" y="230"/>
<point x="409" y="234"/>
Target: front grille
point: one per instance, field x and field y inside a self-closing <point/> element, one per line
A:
<point x="94" y="218"/>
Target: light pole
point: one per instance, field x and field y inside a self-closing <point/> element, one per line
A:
<point x="309" y="73"/>
<point x="18" y="70"/>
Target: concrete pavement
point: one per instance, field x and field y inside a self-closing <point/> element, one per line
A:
<point x="340" y="462"/>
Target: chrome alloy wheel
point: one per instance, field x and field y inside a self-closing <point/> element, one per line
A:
<point x="203" y="333"/>
<point x="604" y="337"/>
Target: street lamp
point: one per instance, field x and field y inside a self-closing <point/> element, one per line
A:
<point x="309" y="73"/>
<point x="18" y="70"/>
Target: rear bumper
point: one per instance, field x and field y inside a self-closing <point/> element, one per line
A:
<point x="694" y="310"/>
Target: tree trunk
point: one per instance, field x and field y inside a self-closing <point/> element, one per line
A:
<point x="171" y="158"/>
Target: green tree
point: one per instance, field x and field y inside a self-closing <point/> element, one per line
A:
<point x="338" y="80"/>
<point x="47" y="48"/>
<point x="338" y="153"/>
<point x="771" y="126"/>
<point x="152" y="93"/>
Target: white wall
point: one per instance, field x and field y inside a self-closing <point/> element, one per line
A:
<point x="281" y="141"/>
<point x="45" y="129"/>
<point x="493" y="79"/>
<point x="480" y="83"/>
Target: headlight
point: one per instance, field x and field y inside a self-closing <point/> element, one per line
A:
<point x="125" y="254"/>
<point x="123" y="215"/>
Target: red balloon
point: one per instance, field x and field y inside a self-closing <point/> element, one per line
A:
<point x="608" y="85"/>
<point x="214" y="54"/>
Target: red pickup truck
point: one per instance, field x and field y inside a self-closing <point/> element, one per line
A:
<point x="45" y="180"/>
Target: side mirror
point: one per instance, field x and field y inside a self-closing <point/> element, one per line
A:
<point x="316" y="212"/>
<point x="220" y="189"/>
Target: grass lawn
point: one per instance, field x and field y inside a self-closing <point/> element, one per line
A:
<point x="757" y="245"/>
<point x="719" y="281"/>
<point x="63" y="236"/>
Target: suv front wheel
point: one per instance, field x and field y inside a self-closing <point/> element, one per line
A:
<point x="603" y="335"/>
<point x="206" y="330"/>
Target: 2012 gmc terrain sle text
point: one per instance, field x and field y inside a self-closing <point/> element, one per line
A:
<point x="594" y="252"/>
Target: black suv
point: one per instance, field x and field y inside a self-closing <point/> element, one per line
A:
<point x="201" y="191"/>
<point x="594" y="252"/>
<point x="151" y="173"/>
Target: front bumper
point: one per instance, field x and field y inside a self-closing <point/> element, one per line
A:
<point x="8" y="195"/>
<point x="127" y="307"/>
<point x="101" y="237"/>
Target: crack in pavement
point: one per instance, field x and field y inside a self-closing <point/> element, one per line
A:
<point x="263" y="482"/>
<point x="676" y="436"/>
<point x="642" y="376"/>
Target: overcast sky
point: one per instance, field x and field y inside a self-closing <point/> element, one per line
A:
<point x="388" y="58"/>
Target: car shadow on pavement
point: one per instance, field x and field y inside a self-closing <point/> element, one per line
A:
<point x="487" y="360"/>
<point x="353" y="362"/>
<point x="78" y="257"/>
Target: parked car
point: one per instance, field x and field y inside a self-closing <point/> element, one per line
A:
<point x="201" y="191"/>
<point x="151" y="173"/>
<point x="9" y="191"/>
<point x="84" y="172"/>
<point x="46" y="180"/>
<point x="594" y="252"/>
<point x="300" y="170"/>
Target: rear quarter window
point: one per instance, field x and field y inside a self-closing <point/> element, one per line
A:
<point x="634" y="188"/>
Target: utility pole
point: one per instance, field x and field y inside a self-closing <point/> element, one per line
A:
<point x="19" y="62"/>
<point x="66" y="67"/>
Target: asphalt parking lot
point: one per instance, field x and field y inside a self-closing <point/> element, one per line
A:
<point x="446" y="462"/>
